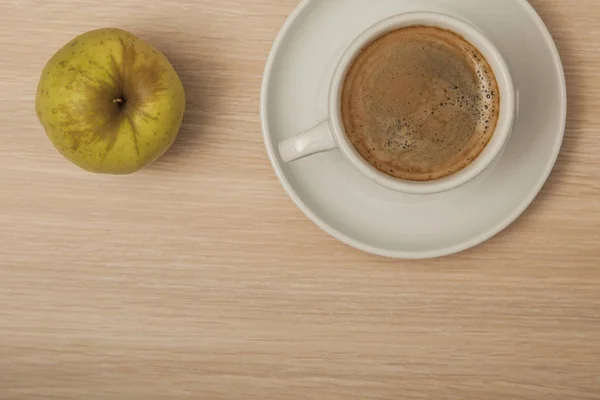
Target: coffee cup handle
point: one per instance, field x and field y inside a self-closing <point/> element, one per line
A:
<point x="316" y="140"/>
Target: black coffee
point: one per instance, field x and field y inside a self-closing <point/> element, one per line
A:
<point x="420" y="103"/>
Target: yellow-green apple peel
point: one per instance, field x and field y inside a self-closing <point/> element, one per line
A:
<point x="110" y="102"/>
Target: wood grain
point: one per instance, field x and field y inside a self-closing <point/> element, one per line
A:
<point x="198" y="278"/>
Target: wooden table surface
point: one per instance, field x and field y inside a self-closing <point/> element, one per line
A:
<point x="198" y="278"/>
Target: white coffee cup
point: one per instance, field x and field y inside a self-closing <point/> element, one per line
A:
<point x="330" y="134"/>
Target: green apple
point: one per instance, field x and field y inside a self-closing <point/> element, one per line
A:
<point x="110" y="102"/>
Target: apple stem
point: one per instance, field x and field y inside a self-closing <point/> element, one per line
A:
<point x="119" y="101"/>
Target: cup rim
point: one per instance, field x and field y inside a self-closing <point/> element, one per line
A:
<point x="499" y="67"/>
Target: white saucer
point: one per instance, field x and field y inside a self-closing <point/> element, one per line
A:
<point x="344" y="203"/>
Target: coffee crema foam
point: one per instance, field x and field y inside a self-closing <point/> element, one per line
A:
<point x="420" y="103"/>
